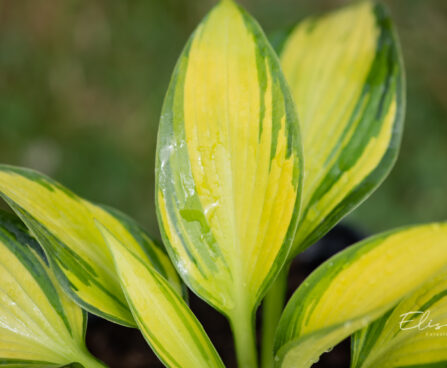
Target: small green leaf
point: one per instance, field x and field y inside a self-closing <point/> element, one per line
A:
<point x="39" y="325"/>
<point x="64" y="225"/>
<point x="346" y="76"/>
<point x="228" y="163"/>
<point x="354" y="288"/>
<point x="165" y="320"/>
<point x="412" y="334"/>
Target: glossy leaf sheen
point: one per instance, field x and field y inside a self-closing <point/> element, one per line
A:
<point x="64" y="224"/>
<point x="165" y="320"/>
<point x="346" y="77"/>
<point x="39" y="325"/>
<point x="355" y="287"/>
<point x="390" y="343"/>
<point x="228" y="162"/>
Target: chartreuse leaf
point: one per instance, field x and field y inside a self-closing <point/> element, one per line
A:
<point x="165" y="320"/>
<point x="64" y="225"/>
<point x="130" y="233"/>
<point x="39" y="325"/>
<point x="346" y="76"/>
<point x="355" y="287"/>
<point x="228" y="163"/>
<point x="413" y="334"/>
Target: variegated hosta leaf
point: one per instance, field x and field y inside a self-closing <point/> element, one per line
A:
<point x="163" y="317"/>
<point x="355" y="287"/>
<point x="413" y="334"/>
<point x="64" y="225"/>
<point x="229" y="162"/>
<point x="346" y="76"/>
<point x="39" y="325"/>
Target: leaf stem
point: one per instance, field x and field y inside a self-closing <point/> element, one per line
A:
<point x="87" y="360"/>
<point x="243" y="327"/>
<point x="271" y="313"/>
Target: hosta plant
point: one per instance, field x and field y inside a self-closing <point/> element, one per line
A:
<point x="260" y="153"/>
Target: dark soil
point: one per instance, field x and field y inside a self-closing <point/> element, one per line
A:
<point x="121" y="347"/>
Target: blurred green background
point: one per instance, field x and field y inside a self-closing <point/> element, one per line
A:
<point x="82" y="84"/>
